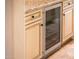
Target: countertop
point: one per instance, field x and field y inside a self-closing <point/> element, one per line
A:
<point x="28" y="9"/>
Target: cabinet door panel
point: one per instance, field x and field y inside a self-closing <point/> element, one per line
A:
<point x="32" y="41"/>
<point x="68" y="24"/>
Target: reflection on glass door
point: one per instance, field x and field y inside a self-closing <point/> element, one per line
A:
<point x="52" y="27"/>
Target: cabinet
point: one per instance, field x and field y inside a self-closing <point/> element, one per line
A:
<point x="33" y="34"/>
<point x="67" y="24"/>
<point x="24" y="34"/>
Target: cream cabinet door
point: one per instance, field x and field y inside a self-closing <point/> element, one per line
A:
<point x="33" y="40"/>
<point x="67" y="24"/>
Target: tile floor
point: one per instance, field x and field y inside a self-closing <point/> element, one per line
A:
<point x="66" y="52"/>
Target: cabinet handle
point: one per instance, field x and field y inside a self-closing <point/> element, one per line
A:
<point x="41" y="24"/>
<point x="68" y="3"/>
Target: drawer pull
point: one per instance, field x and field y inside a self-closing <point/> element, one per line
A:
<point x="32" y="16"/>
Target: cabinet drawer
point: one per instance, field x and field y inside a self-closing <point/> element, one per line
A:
<point x="32" y="16"/>
<point x="67" y="3"/>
